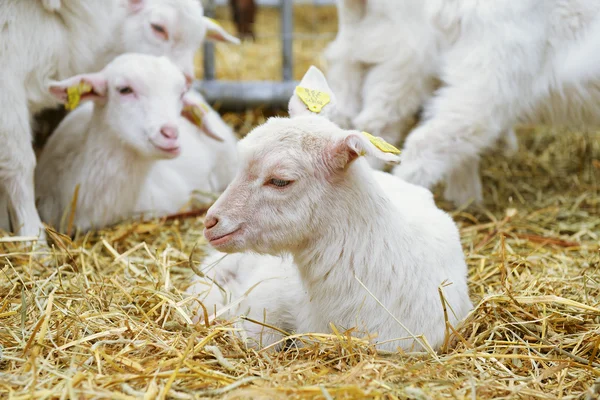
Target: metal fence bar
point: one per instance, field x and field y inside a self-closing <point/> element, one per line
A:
<point x="287" y="31"/>
<point x="208" y="59"/>
<point x="232" y="95"/>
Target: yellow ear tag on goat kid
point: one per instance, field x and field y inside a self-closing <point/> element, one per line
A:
<point x="381" y="144"/>
<point x="74" y="94"/>
<point x="315" y="100"/>
<point x="197" y="113"/>
<point x="214" y="21"/>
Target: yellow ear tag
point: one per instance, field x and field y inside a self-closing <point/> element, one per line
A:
<point x="213" y="21"/>
<point x="74" y="94"/>
<point x="315" y="100"/>
<point x="381" y="144"/>
<point x="197" y="113"/>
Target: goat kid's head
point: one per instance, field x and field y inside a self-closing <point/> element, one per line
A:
<point x="174" y="28"/>
<point x="291" y="174"/>
<point x="140" y="97"/>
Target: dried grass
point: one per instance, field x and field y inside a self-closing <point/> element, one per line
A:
<point x="105" y="316"/>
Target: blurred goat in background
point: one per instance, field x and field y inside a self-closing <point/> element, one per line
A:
<point x="244" y="12"/>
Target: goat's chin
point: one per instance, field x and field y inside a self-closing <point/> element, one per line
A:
<point x="233" y="244"/>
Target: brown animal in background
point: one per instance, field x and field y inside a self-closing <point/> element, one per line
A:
<point x="244" y="12"/>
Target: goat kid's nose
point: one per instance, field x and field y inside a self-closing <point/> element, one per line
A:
<point x="210" y="221"/>
<point x="169" y="131"/>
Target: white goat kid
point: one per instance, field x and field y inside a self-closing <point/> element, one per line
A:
<point x="107" y="148"/>
<point x="508" y="62"/>
<point x="115" y="149"/>
<point x="78" y="36"/>
<point x="303" y="189"/>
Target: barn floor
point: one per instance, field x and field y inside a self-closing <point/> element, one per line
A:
<point x="105" y="315"/>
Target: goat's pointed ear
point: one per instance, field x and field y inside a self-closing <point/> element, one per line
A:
<point x="198" y="112"/>
<point x="80" y="88"/>
<point x="344" y="151"/>
<point x="215" y="32"/>
<point x="312" y="96"/>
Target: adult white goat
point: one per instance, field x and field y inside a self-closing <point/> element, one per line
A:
<point x="39" y="46"/>
<point x="304" y="189"/>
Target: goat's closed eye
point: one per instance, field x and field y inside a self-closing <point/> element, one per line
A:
<point x="125" y="90"/>
<point x="161" y="31"/>
<point x="278" y="182"/>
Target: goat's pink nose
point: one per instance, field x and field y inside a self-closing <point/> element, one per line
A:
<point x="169" y="131"/>
<point x="210" y="221"/>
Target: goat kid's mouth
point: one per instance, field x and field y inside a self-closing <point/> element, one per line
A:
<point x="218" y="240"/>
<point x="172" y="149"/>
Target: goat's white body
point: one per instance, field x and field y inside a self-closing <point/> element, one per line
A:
<point x="414" y="247"/>
<point x="498" y="64"/>
<point x="382" y="64"/>
<point x="38" y="46"/>
<point x="116" y="183"/>
<point x="263" y="288"/>
<point x="387" y="233"/>
<point x="110" y="176"/>
<point x="534" y="61"/>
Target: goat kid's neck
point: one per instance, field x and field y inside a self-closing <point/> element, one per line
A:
<point x="353" y="227"/>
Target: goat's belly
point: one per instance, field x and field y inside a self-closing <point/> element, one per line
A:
<point x="572" y="106"/>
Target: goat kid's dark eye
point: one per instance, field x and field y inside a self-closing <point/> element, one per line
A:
<point x="125" y="90"/>
<point x="279" y="182"/>
<point x="160" y="30"/>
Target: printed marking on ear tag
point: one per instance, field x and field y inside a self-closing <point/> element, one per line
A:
<point x="74" y="94"/>
<point x="381" y="144"/>
<point x="197" y="113"/>
<point x="315" y="100"/>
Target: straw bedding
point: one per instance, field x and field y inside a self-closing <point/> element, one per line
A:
<point x="105" y="315"/>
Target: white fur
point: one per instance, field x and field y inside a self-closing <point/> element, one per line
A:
<point x="204" y="165"/>
<point x="508" y="62"/>
<point x="76" y="36"/>
<point x="266" y="289"/>
<point x="342" y="221"/>
<point x="112" y="149"/>
<point x="382" y="64"/>
<point x="497" y="64"/>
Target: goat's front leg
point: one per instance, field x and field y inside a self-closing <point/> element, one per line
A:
<point x="17" y="163"/>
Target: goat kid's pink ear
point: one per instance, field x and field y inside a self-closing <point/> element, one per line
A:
<point x="216" y="33"/>
<point x="198" y="113"/>
<point x="356" y="144"/>
<point x="136" y="5"/>
<point x="87" y="86"/>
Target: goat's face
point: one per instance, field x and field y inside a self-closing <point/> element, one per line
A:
<point x="269" y="206"/>
<point x="173" y="28"/>
<point x="293" y="171"/>
<point x="140" y="98"/>
<point x="145" y="103"/>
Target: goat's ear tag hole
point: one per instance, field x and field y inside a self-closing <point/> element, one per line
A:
<point x="197" y="113"/>
<point x="381" y="144"/>
<point x="315" y="100"/>
<point x="74" y="94"/>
